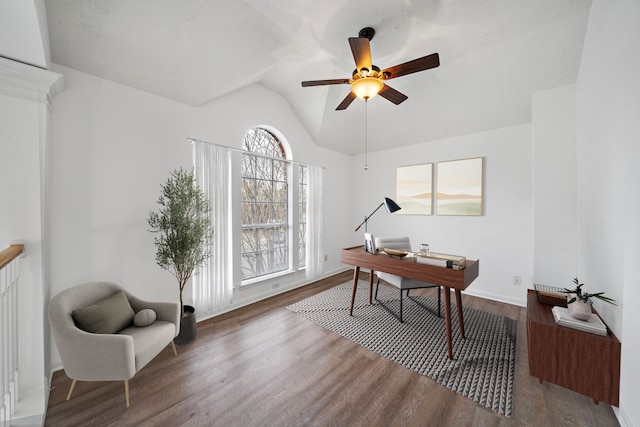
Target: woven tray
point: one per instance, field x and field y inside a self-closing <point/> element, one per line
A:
<point x="550" y="295"/>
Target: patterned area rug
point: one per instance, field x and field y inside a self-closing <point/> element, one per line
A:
<point x="483" y="364"/>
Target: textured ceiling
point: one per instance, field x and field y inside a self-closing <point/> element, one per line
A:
<point x="494" y="54"/>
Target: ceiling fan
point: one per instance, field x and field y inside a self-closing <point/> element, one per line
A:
<point x="367" y="79"/>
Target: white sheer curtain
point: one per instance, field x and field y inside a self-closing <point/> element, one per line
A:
<point x="315" y="247"/>
<point x="213" y="282"/>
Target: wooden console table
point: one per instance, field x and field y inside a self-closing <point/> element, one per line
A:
<point x="580" y="361"/>
<point x="448" y="278"/>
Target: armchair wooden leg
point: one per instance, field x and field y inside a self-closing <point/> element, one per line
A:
<point x="173" y="345"/>
<point x="73" y="384"/>
<point x="126" y="391"/>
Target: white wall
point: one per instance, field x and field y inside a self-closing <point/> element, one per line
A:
<point x="555" y="186"/>
<point x="608" y="95"/>
<point x="112" y="147"/>
<point x="502" y="238"/>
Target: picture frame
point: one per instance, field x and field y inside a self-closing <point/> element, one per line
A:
<point x="459" y="187"/>
<point x="414" y="189"/>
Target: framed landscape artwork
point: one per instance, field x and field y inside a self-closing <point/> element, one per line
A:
<point x="414" y="189"/>
<point x="459" y="187"/>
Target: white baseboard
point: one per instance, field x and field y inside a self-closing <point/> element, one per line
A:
<point x="621" y="415"/>
<point x="32" y="407"/>
<point x="497" y="297"/>
<point x="268" y="294"/>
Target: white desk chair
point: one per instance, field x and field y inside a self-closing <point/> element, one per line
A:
<point x="402" y="283"/>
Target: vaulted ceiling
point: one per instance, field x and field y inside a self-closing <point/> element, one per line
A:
<point x="494" y="55"/>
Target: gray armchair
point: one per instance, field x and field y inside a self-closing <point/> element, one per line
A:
<point x="402" y="283"/>
<point x="116" y="356"/>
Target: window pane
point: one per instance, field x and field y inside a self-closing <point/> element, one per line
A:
<point x="279" y="213"/>
<point x="248" y="262"/>
<point x="248" y="213"/>
<point x="248" y="189"/>
<point x="264" y="191"/>
<point x="249" y="240"/>
<point x="265" y="238"/>
<point x="279" y="171"/>
<point x="263" y="213"/>
<point x="280" y="192"/>
<point x="302" y="212"/>
<point x="248" y="166"/>
<point x="280" y="259"/>
<point x="264" y="168"/>
<point x="302" y="227"/>
<point x="302" y="244"/>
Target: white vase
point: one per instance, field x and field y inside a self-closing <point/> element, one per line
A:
<point x="580" y="310"/>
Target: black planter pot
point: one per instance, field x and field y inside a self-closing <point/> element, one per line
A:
<point x="187" y="326"/>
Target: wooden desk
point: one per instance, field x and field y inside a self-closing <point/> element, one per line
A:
<point x="448" y="278"/>
<point x="580" y="361"/>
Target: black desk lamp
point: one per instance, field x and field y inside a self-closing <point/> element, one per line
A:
<point x="388" y="203"/>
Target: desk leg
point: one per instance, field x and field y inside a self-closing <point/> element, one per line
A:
<point x="356" y="273"/>
<point x="447" y="319"/>
<point x="459" y="305"/>
<point x="371" y="287"/>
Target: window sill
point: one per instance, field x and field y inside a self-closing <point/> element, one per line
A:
<point x="268" y="277"/>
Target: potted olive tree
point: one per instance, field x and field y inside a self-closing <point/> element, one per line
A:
<point x="183" y="237"/>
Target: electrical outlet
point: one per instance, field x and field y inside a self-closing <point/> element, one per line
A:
<point x="326" y="257"/>
<point x="516" y="280"/>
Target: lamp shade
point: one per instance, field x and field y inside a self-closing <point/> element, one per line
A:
<point x="367" y="87"/>
<point x="391" y="205"/>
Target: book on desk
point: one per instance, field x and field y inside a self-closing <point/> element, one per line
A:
<point x="455" y="262"/>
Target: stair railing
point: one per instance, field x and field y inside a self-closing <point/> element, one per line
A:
<point x="9" y="276"/>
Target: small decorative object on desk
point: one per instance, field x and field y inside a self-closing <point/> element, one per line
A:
<point x="395" y="252"/>
<point x="456" y="262"/>
<point x="550" y="295"/>
<point x="580" y="305"/>
<point x="424" y="248"/>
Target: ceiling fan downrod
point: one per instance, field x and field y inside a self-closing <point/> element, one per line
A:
<point x="367" y="33"/>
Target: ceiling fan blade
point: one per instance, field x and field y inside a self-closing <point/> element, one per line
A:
<point x="419" y="64"/>
<point x="347" y="101"/>
<point x="361" y="52"/>
<point x="325" y="82"/>
<point x="392" y="95"/>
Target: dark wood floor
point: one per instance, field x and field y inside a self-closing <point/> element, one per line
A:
<point x="263" y="365"/>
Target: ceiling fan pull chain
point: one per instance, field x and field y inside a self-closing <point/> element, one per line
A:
<point x="366" y="166"/>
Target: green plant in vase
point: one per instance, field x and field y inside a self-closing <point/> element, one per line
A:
<point x="580" y="304"/>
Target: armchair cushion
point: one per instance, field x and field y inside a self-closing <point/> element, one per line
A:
<point x="144" y="317"/>
<point x="106" y="316"/>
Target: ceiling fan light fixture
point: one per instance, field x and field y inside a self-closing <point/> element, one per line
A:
<point x="367" y="87"/>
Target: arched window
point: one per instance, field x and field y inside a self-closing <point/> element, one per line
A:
<point x="266" y="241"/>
